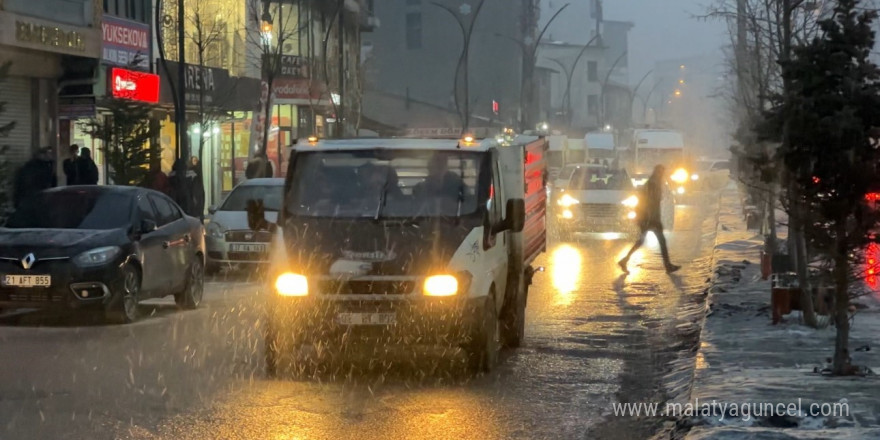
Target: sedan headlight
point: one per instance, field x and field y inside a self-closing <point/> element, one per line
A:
<point x="97" y="257"/>
<point x="631" y="202"/>
<point x="441" y="285"/>
<point x="567" y="200"/>
<point x="215" y="230"/>
<point x="291" y="284"/>
<point x="680" y="176"/>
<point x="695" y="177"/>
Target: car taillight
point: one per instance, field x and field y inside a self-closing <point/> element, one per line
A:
<point x="872" y="197"/>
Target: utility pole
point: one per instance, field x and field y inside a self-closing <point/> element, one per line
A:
<point x="340" y="118"/>
<point x="180" y="117"/>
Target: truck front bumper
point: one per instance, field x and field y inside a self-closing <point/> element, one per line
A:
<point x="389" y="319"/>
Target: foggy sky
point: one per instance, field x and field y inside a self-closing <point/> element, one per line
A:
<point x="665" y="29"/>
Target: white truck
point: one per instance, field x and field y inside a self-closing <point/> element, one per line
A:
<point x="662" y="147"/>
<point x="407" y="241"/>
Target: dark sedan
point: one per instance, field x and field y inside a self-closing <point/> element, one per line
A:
<point x="100" y="248"/>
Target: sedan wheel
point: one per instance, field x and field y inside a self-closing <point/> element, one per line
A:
<point x="125" y="306"/>
<point x="192" y="294"/>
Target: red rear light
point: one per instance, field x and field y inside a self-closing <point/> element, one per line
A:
<point x="872" y="197"/>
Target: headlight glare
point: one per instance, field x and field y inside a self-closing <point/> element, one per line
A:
<point x="631" y="202"/>
<point x="441" y="285"/>
<point x="291" y="284"/>
<point x="567" y="200"/>
<point x="97" y="257"/>
<point x="680" y="176"/>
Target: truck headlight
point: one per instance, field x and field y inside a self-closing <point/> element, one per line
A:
<point x="97" y="257"/>
<point x="695" y="177"/>
<point x="291" y="284"/>
<point x="631" y="215"/>
<point x="215" y="230"/>
<point x="680" y="176"/>
<point x="567" y="200"/>
<point x="631" y="202"/>
<point x="441" y="285"/>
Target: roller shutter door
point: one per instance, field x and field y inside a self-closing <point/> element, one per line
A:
<point x="15" y="92"/>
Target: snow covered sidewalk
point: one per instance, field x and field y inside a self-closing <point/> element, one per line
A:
<point x="755" y="380"/>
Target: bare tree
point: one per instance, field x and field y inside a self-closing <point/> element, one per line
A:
<point x="207" y="31"/>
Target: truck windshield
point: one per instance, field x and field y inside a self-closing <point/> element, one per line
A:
<point x="585" y="178"/>
<point x="384" y="184"/>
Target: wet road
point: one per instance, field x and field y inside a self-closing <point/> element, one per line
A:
<point x="593" y="337"/>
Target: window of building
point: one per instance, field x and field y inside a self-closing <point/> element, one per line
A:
<point x="414" y="30"/>
<point x="136" y="10"/>
<point x="593" y="105"/>
<point x="592" y="71"/>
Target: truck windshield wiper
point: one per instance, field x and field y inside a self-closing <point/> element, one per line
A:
<point x="383" y="198"/>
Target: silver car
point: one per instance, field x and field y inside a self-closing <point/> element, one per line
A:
<point x="228" y="239"/>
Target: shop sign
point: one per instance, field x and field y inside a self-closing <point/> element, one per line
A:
<point x="49" y="36"/>
<point x="296" y="89"/>
<point x="137" y="86"/>
<point x="124" y="41"/>
<point x="293" y="66"/>
<point x="211" y="86"/>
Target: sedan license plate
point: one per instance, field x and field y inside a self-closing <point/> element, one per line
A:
<point x="366" y="318"/>
<point x="27" y="280"/>
<point x="243" y="247"/>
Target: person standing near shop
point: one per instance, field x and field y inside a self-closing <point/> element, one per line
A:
<point x="69" y="166"/>
<point x="86" y="169"/>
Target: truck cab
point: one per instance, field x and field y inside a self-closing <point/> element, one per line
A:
<point x="407" y="240"/>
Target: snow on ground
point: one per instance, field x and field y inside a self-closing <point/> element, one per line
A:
<point x="746" y="365"/>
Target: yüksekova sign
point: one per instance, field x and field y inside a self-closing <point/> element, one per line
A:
<point x="124" y="40"/>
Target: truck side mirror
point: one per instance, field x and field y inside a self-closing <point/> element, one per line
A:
<point x="516" y="215"/>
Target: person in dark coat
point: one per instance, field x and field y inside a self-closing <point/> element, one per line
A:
<point x="69" y="165"/>
<point x="649" y="217"/>
<point x="180" y="184"/>
<point x="197" y="186"/>
<point x="86" y="169"/>
<point x="258" y="167"/>
<point x="34" y="176"/>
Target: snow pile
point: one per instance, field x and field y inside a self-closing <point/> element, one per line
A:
<point x="748" y="364"/>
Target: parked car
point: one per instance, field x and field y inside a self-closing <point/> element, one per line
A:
<point x="100" y="248"/>
<point x="230" y="241"/>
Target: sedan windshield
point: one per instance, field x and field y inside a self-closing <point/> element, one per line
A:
<point x="269" y="194"/>
<point x="73" y="210"/>
<point x="384" y="183"/>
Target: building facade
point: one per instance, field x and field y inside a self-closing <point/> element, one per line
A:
<point x="414" y="68"/>
<point x="50" y="44"/>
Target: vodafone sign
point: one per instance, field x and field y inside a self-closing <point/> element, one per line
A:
<point x="295" y="89"/>
<point x="137" y="86"/>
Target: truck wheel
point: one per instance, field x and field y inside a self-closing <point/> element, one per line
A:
<point x="513" y="319"/>
<point x="482" y="349"/>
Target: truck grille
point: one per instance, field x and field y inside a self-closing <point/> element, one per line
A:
<point x="366" y="287"/>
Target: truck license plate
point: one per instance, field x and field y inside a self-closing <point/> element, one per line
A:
<point x="239" y="247"/>
<point x="27" y="280"/>
<point x="366" y="318"/>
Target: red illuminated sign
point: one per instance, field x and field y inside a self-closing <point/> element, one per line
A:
<point x="137" y="86"/>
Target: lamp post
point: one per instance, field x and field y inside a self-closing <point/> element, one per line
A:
<point x="569" y="73"/>
<point x="636" y="91"/>
<point x="466" y="31"/>
<point x="605" y="84"/>
<point x="180" y="117"/>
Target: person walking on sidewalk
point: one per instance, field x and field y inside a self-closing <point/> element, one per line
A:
<point x="649" y="217"/>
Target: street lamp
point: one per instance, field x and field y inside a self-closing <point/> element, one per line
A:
<point x="569" y="72"/>
<point x="605" y="83"/>
<point x="466" y="31"/>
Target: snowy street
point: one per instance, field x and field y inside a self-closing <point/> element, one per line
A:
<point x="593" y="338"/>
